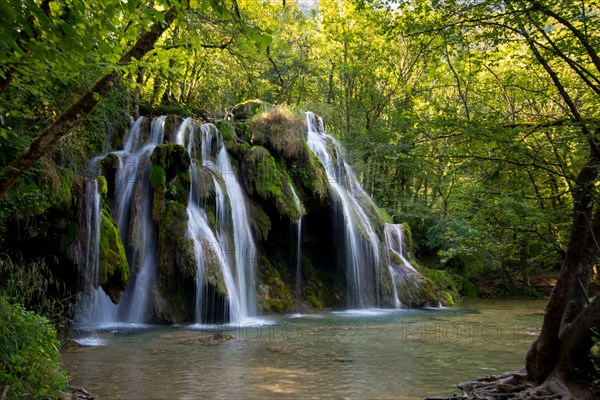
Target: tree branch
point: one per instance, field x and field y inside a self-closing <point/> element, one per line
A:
<point x="75" y="114"/>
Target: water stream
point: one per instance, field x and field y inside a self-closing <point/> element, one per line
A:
<point x="298" y="238"/>
<point x="361" y="244"/>
<point x="94" y="307"/>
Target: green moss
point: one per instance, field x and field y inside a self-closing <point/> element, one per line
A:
<point x="276" y="296"/>
<point x="169" y="177"/>
<point x="176" y="263"/>
<point x="407" y="235"/>
<point x="226" y="129"/>
<point x="265" y="180"/>
<point x="311" y="174"/>
<point x="260" y="221"/>
<point x="315" y="301"/>
<point x="247" y="109"/>
<point x="385" y="216"/>
<point x="447" y="299"/>
<point x="110" y="162"/>
<point x="269" y="181"/>
<point x="102" y="186"/>
<point x="428" y="293"/>
<point x="158" y="177"/>
<point x="113" y="262"/>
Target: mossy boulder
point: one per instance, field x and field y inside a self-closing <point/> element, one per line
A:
<point x="281" y="131"/>
<point x="169" y="176"/>
<point x="273" y="293"/>
<point x="247" y="109"/>
<point x="267" y="181"/>
<point x="260" y="223"/>
<point x="446" y="299"/>
<point x="227" y="130"/>
<point x="309" y="173"/>
<point x="114" y="269"/>
<point x="170" y="181"/>
<point x="415" y="290"/>
<point x="176" y="264"/>
<point x="109" y="166"/>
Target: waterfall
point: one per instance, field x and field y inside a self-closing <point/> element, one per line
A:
<point x="392" y="244"/>
<point x="94" y="307"/>
<point x="361" y="244"/>
<point x="134" y="218"/>
<point x="219" y="229"/>
<point x="237" y="257"/>
<point x="394" y="234"/>
<point x="298" y="251"/>
<point x="243" y="242"/>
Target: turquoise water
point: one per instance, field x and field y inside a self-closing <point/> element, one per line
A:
<point x="377" y="354"/>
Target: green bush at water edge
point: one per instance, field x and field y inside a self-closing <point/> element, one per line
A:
<point x="29" y="355"/>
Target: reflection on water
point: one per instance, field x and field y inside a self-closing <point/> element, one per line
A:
<point x="382" y="354"/>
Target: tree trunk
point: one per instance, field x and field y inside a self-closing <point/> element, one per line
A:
<point x="77" y="112"/>
<point x="568" y="299"/>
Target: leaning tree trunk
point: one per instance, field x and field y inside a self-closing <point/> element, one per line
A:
<point x="565" y="337"/>
<point x="76" y="113"/>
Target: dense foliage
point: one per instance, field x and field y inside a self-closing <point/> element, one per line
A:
<point x="29" y="356"/>
<point x="475" y="122"/>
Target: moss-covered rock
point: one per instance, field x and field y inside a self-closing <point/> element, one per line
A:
<point x="260" y="223"/>
<point x="109" y="167"/>
<point x="273" y="293"/>
<point x="102" y="187"/>
<point x="269" y="182"/>
<point x="310" y="174"/>
<point x="227" y="130"/>
<point x="446" y="299"/>
<point x="213" y="274"/>
<point x="415" y="290"/>
<point x="176" y="264"/>
<point x="169" y="176"/>
<point x="247" y="109"/>
<point x="281" y="131"/>
<point x="114" y="269"/>
<point x="170" y="182"/>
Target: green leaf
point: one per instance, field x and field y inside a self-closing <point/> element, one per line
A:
<point x="104" y="48"/>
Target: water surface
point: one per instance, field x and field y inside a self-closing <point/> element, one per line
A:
<point x="373" y="354"/>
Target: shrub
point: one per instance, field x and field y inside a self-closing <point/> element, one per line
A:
<point x="29" y="355"/>
<point x="32" y="284"/>
<point x="280" y="130"/>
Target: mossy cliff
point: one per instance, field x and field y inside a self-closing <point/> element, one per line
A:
<point x="170" y="181"/>
<point x="114" y="269"/>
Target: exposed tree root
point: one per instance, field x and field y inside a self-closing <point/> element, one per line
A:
<point x="76" y="393"/>
<point x="515" y="385"/>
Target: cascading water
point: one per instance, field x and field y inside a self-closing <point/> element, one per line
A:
<point x="238" y="258"/>
<point x="394" y="236"/>
<point x="95" y="307"/>
<point x="225" y="238"/>
<point x="298" y="250"/>
<point x="134" y="218"/>
<point x="394" y="242"/>
<point x="361" y="244"/>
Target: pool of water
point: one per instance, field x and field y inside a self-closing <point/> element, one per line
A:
<point x="374" y="354"/>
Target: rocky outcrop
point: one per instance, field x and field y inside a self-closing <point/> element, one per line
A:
<point x="170" y="181"/>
